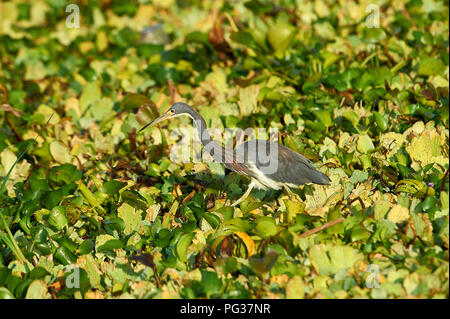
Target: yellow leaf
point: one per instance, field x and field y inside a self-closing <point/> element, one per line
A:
<point x="60" y="152"/>
<point x="9" y="15"/>
<point x="89" y="196"/>
<point x="392" y="142"/>
<point x="398" y="214"/>
<point x="101" y="41"/>
<point x="426" y="148"/>
<point x="130" y="216"/>
<point x="248" y="102"/>
<point x="38" y="13"/>
<point x="144" y="13"/>
<point x="94" y="295"/>
<point x="216" y="242"/>
<point x="88" y="263"/>
<point x="381" y="207"/>
<point x="37" y="290"/>
<point x="218" y="79"/>
<point x="249" y="243"/>
<point x="295" y="288"/>
<point x="73" y="104"/>
<point x="49" y="114"/>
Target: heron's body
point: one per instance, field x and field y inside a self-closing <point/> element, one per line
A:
<point x="268" y="164"/>
<point x="295" y="168"/>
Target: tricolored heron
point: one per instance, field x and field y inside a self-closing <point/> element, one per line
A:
<point x="268" y="164"/>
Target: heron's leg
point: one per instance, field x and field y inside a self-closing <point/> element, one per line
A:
<point x="247" y="192"/>
<point x="290" y="193"/>
<point x="288" y="190"/>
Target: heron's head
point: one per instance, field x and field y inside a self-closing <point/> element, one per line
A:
<point x="175" y="110"/>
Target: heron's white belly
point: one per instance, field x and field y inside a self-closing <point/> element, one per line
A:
<point x="264" y="182"/>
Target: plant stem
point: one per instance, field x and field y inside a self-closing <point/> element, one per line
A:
<point x="324" y="226"/>
<point x="11" y="242"/>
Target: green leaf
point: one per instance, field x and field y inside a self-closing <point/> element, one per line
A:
<point x="266" y="227"/>
<point x="86" y="247"/>
<point x="324" y="116"/>
<point x="250" y="205"/>
<point x="365" y="144"/>
<point x="358" y="176"/>
<point x="21" y="288"/>
<point x="58" y="218"/>
<point x="5" y="293"/>
<point x="328" y="259"/>
<point x="359" y="233"/>
<point x="38" y="273"/>
<point x="91" y="94"/>
<point x="89" y="196"/>
<point x="65" y="256"/>
<point x="381" y="122"/>
<point x="237" y="224"/>
<point x="245" y="38"/>
<point x="352" y="117"/>
<point x="52" y="199"/>
<point x="64" y="174"/>
<point x="182" y="246"/>
<point x="112" y="187"/>
<point x="212" y="219"/>
<point x="280" y="36"/>
<point x="133" y="101"/>
<point x="336" y="229"/>
<point x="134" y="199"/>
<point x="110" y="245"/>
<point x="430" y="66"/>
<point x="131" y="216"/>
<point x="293" y="208"/>
<point x="211" y="283"/>
<point x="227" y="212"/>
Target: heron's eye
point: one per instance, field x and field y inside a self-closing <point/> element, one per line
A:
<point x="172" y="111"/>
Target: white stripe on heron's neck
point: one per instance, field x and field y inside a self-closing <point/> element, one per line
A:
<point x="217" y="151"/>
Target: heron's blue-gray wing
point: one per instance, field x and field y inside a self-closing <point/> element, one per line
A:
<point x="280" y="163"/>
<point x="297" y="169"/>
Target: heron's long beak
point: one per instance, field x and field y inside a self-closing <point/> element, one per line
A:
<point x="163" y="117"/>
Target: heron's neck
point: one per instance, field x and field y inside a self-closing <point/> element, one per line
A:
<point x="217" y="151"/>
